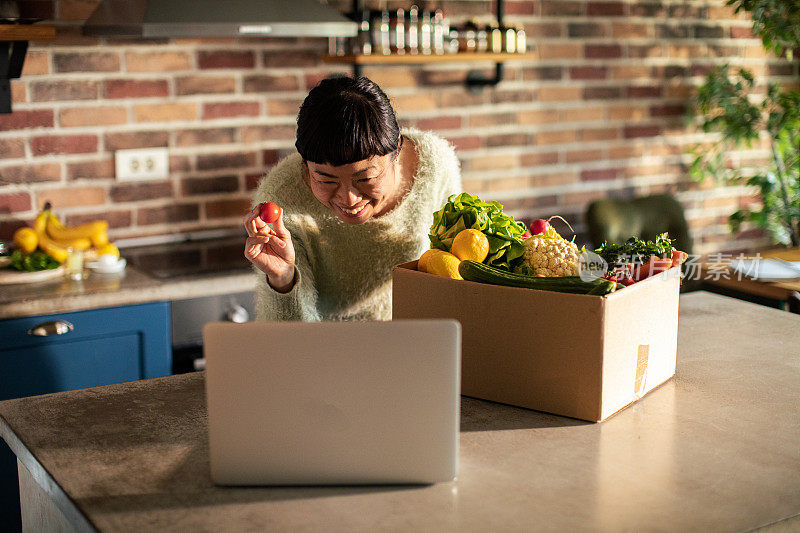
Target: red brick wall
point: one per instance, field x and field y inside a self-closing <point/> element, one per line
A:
<point x="598" y="112"/>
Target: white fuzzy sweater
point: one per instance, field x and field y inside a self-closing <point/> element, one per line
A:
<point x="345" y="271"/>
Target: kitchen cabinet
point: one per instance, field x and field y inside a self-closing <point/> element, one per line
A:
<point x="67" y="351"/>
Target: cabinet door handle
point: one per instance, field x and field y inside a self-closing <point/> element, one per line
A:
<point x="52" y="327"/>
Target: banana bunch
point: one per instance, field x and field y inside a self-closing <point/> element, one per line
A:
<point x="54" y="238"/>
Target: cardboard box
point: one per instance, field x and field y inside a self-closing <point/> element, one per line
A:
<point x="575" y="355"/>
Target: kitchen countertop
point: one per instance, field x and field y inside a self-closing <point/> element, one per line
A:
<point x="713" y="449"/>
<point x="132" y="286"/>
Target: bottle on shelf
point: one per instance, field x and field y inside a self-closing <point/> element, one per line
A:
<point x="412" y="30"/>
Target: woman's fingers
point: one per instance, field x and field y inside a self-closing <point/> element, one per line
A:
<point x="280" y="228"/>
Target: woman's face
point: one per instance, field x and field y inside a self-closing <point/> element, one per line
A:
<point x="357" y="191"/>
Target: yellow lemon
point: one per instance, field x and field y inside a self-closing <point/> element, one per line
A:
<point x="445" y="265"/>
<point x="470" y="244"/>
<point x="422" y="264"/>
<point x="108" y="249"/>
<point x="26" y="240"/>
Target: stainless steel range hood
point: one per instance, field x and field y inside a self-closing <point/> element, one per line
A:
<point x="216" y="18"/>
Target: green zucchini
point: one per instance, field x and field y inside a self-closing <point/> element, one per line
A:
<point x="482" y="273"/>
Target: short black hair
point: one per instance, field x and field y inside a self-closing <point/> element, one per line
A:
<point x="344" y="120"/>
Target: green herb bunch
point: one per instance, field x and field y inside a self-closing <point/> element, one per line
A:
<point x="635" y="250"/>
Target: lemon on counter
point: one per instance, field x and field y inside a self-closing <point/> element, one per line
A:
<point x="470" y="244"/>
<point x="445" y="265"/>
<point x="26" y="239"/>
<point x="108" y="249"/>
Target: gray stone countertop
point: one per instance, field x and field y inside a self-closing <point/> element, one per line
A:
<point x="714" y="449"/>
<point x="110" y="290"/>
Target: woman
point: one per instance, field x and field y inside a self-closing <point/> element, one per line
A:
<point x="357" y="199"/>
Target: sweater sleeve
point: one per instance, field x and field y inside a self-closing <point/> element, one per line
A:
<point x="300" y="303"/>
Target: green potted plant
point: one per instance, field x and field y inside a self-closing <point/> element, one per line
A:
<point x="726" y="104"/>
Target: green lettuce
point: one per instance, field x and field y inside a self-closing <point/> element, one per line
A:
<point x="464" y="211"/>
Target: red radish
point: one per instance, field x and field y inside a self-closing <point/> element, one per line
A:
<point x="525" y="235"/>
<point x="541" y="225"/>
<point x="269" y="212"/>
<point x="627" y="282"/>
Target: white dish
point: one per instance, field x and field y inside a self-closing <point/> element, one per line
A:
<point x="110" y="268"/>
<point x="767" y="269"/>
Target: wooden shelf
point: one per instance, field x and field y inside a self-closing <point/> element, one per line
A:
<point x="409" y="59"/>
<point x="27" y="32"/>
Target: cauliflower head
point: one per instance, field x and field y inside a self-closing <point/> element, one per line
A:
<point x="551" y="256"/>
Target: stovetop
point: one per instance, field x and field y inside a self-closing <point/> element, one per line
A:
<point x="189" y="258"/>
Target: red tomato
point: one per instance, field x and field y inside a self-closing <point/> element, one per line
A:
<point x="269" y="212"/>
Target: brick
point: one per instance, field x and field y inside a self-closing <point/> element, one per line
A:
<point x="414" y="102"/>
<point x="545" y="30"/>
<point x="629" y="72"/>
<point x="599" y="134"/>
<point x="625" y="152"/>
<point x="470" y="142"/>
<point x="498" y="119"/>
<point x="86" y="62"/>
<point x="581" y="29"/>
<point x="630" y="30"/>
<point x="602" y="93"/>
<point x="686" y="51"/>
<point x="666" y="31"/>
<point x="268" y="133"/>
<point x="92" y="116"/>
<point x="580" y="156"/>
<point x="135" y="192"/>
<point x="102" y="169"/>
<point x="492" y="162"/>
<point x="642" y="131"/>
<point x="703" y="31"/>
<point x="542" y="73"/>
<point x="205" y="136"/>
<point x="291" y="59"/>
<point x="582" y="114"/>
<point x="231" y="109"/>
<point x="19" y="92"/>
<point x="669" y="71"/>
<point x="225" y="59"/>
<point x="602" y="51"/>
<point x="560" y="94"/>
<point x="645" y="51"/>
<point x="226" y="160"/>
<point x="135" y="88"/>
<point x="741" y="32"/>
<point x="437" y="77"/>
<point x="507" y="184"/>
<point x="687" y="12"/>
<point x="157" y="61"/>
<point x="499" y="96"/>
<point x="22" y="120"/>
<point x="588" y="73"/>
<point x="555" y="137"/>
<point x="270" y="157"/>
<point x="136" y="139"/>
<point x="651" y="91"/>
<point x="390" y="78"/>
<point x="283" y="107"/>
<point x="169" y="214"/>
<point x="668" y="110"/>
<point x="30" y="173"/>
<point x="538" y="116"/>
<point x="462" y="99"/>
<point x="780" y="70"/>
<point x="651" y="9"/>
<point x="17" y="202"/>
<point x="71" y="197"/>
<point x="64" y="144"/>
<point x="12" y="148"/>
<point x="77" y="10"/>
<point x="251" y="181"/>
<point x="179" y="163"/>
<point x="227" y="208"/>
<point x="562" y="9"/>
<point x="165" y="112"/>
<point x="539" y="159"/>
<point x="554" y="179"/>
<point x="54" y="91"/>
<point x="189" y="85"/>
<point x="439" y="123"/>
<point x="559" y="51"/>
<point x="508" y="139"/>
<point x="628" y="112"/>
<point x="599" y="175"/>
<point x="520" y="8"/>
<point x="266" y="83"/>
<point x="36" y="64"/>
<point x="115" y="218"/>
<point x="605" y="9"/>
<point x="214" y="185"/>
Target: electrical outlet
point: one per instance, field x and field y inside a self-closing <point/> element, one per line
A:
<point x="142" y="164"/>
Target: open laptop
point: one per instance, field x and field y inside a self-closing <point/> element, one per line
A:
<point x="294" y="403"/>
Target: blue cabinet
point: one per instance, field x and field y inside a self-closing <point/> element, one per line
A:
<point x="75" y="351"/>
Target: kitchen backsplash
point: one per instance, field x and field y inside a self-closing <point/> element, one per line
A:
<point x="598" y="111"/>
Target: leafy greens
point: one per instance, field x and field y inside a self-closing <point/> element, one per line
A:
<point x="465" y="211"/>
<point x="635" y="250"/>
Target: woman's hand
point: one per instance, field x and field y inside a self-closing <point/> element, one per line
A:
<point x="270" y="249"/>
